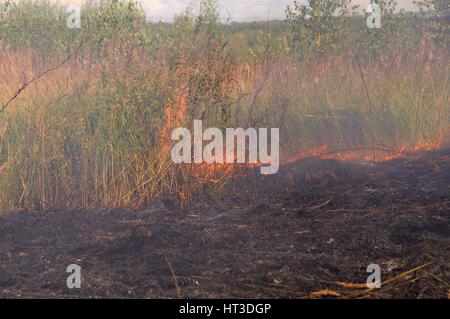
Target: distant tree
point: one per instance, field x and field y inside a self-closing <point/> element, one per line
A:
<point x="392" y="34"/>
<point x="200" y="55"/>
<point x="319" y="25"/>
<point x="120" y="20"/>
<point x="266" y="48"/>
<point x="438" y="12"/>
<point x="32" y="23"/>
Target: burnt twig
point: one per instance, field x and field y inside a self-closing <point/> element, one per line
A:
<point x="26" y="84"/>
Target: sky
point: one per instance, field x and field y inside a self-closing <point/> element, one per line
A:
<point x="240" y="10"/>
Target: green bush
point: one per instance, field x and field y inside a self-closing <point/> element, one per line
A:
<point x="320" y="26"/>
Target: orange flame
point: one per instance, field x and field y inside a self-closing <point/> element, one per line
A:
<point x="217" y="172"/>
<point x="381" y="154"/>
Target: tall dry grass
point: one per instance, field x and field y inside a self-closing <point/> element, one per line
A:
<point x="96" y="131"/>
<point x="326" y="104"/>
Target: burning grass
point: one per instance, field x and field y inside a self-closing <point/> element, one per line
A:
<point x="73" y="139"/>
<point x="95" y="131"/>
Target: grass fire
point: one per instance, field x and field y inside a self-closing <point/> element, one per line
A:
<point x="207" y="156"/>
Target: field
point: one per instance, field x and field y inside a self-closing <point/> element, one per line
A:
<point x="281" y="240"/>
<point x="87" y="175"/>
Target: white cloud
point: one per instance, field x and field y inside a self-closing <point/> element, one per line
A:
<point x="163" y="9"/>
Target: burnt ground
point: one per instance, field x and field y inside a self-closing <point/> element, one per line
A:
<point x="309" y="231"/>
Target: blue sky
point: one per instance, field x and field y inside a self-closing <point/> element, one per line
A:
<point x="240" y="10"/>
